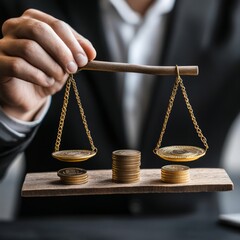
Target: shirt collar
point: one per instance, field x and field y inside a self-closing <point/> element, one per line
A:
<point x="159" y="7"/>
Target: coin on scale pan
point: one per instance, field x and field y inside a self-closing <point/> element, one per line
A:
<point x="180" y="153"/>
<point x="73" y="155"/>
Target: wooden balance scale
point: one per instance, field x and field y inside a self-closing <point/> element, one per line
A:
<point x="171" y="178"/>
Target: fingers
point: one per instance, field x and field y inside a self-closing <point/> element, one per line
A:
<point x="79" y="45"/>
<point x="57" y="38"/>
<point x="40" y="49"/>
<point x="44" y="35"/>
<point x="15" y="67"/>
<point x="33" y="54"/>
<point x="76" y="42"/>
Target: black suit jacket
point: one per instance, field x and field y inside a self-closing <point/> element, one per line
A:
<point x="203" y="33"/>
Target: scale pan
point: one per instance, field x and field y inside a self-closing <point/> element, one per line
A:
<point x="180" y="153"/>
<point x="73" y="155"/>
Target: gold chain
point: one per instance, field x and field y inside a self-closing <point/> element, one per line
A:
<point x="63" y="115"/>
<point x="83" y="116"/>
<point x="178" y="82"/>
<point x="189" y="107"/>
<point x="71" y="81"/>
<point x="169" y="109"/>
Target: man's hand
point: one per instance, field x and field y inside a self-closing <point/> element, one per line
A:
<point x="37" y="52"/>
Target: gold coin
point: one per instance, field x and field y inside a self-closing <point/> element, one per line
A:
<point x="180" y="153"/>
<point x="73" y="175"/>
<point x="126" y="152"/>
<point x="125" y="181"/>
<point x="121" y="171"/>
<point x="174" y="177"/>
<point x="174" y="181"/>
<point x="126" y="162"/>
<point x="73" y="155"/>
<point x="129" y="167"/>
<point x="126" y="169"/>
<point x="135" y="175"/>
<point x="74" y="182"/>
<point x="124" y="175"/>
<point x="126" y="166"/>
<point x="175" y="174"/>
<point x="126" y="156"/>
<point x="175" y="168"/>
<point x="71" y="172"/>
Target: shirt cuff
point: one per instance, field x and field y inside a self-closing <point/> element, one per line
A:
<point x="12" y="129"/>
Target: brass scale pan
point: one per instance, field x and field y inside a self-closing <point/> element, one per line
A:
<point x="180" y="153"/>
<point x="73" y="155"/>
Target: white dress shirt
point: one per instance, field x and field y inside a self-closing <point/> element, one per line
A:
<point x="135" y="39"/>
<point x="131" y="38"/>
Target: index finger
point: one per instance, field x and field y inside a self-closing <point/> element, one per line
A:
<point x="78" y="45"/>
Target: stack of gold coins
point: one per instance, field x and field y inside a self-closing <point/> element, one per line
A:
<point x="126" y="166"/>
<point x="73" y="175"/>
<point x="175" y="174"/>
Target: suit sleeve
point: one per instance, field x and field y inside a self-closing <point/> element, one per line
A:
<point x="8" y="151"/>
<point x="16" y="135"/>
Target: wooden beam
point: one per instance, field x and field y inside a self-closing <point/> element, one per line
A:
<point x="100" y="183"/>
<point x="126" y="67"/>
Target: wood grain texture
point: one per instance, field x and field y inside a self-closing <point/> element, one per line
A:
<point x="100" y="182"/>
<point x="127" y="67"/>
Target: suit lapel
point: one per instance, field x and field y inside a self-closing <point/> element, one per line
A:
<point x="104" y="83"/>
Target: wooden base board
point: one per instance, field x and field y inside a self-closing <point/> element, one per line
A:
<point x="100" y="182"/>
